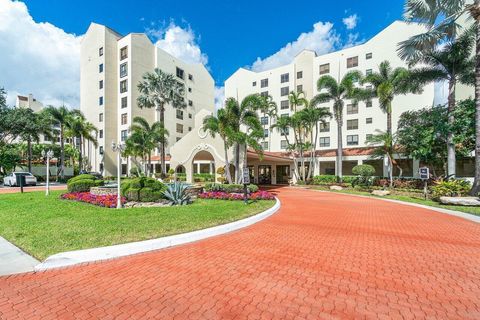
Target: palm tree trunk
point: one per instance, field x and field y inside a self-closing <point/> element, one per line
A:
<point x="227" y="164"/>
<point x="29" y="150"/>
<point x="62" y="153"/>
<point x="162" y="145"/>
<point x="476" y="182"/>
<point x="149" y="163"/>
<point x="80" y="155"/>
<point x="389" y="118"/>
<point x="237" y="162"/>
<point x="451" y="161"/>
<point x="339" y="151"/>
<point x="245" y="160"/>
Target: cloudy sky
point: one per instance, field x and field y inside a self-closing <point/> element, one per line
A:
<point x="39" y="40"/>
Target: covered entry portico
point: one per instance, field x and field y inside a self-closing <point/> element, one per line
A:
<point x="271" y="168"/>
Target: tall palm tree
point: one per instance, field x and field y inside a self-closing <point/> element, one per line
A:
<point x="283" y="124"/>
<point x="441" y="19"/>
<point x="158" y="90"/>
<point x="60" y="117"/>
<point x="145" y="138"/>
<point x="384" y="147"/>
<point x="79" y="128"/>
<point x="220" y="125"/>
<point x="337" y="92"/>
<point x="296" y="100"/>
<point x="268" y="108"/>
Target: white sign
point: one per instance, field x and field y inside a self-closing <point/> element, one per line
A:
<point x="246" y="176"/>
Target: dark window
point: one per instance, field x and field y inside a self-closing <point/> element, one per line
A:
<point x="100" y="117"/>
<point x="124" y="53"/>
<point x="265" y="145"/>
<point x="369" y="120"/>
<point x="283" y="144"/>
<point x="368" y="72"/>
<point x="325" y="127"/>
<point x="100" y="149"/>
<point x="189" y="89"/>
<point x="100" y="84"/>
<point x="179" y="114"/>
<point x="368" y="136"/>
<point x="265" y="133"/>
<point x="368" y="56"/>
<point x="124" y="102"/>
<point x="369" y="104"/>
<point x="123" y="86"/>
<point x="264" y="94"/>
<point x="299" y="88"/>
<point x="284" y="91"/>
<point x="284" y="77"/>
<point x="299" y="74"/>
<point x="100" y="68"/>
<point x="123" y="135"/>
<point x="264" y="120"/>
<point x="263" y="83"/>
<point x="254" y="83"/>
<point x="123" y="70"/>
<point x="352" y="140"/>
<point x="190" y="116"/>
<point x="325" y="68"/>
<point x="352" y="124"/>
<point x="100" y="101"/>
<point x="352" y="108"/>
<point x="100" y="133"/>
<point x="180" y="73"/>
<point x="179" y="128"/>
<point x="190" y="77"/>
<point x="190" y="103"/>
<point x="100" y="51"/>
<point x="352" y="62"/>
<point x="324" y="141"/>
<point x="124" y="118"/>
<point x="284" y="104"/>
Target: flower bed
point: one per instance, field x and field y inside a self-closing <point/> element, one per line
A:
<point x="220" y="195"/>
<point x="108" y="201"/>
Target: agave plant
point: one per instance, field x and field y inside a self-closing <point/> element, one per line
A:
<point x="177" y="194"/>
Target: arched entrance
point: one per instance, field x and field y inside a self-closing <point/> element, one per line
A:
<point x="203" y="165"/>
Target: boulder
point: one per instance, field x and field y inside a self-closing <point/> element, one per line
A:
<point x="338" y="188"/>
<point x="461" y="201"/>
<point x="380" y="193"/>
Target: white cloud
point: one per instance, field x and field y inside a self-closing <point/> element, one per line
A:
<point x="350" y="22"/>
<point x="219" y="97"/>
<point x="37" y="58"/>
<point x="322" y="39"/>
<point x="179" y="42"/>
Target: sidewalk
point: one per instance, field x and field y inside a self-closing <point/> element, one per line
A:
<point x="13" y="260"/>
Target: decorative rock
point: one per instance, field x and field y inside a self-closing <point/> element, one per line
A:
<point x="380" y="193"/>
<point x="133" y="204"/>
<point x="338" y="188"/>
<point x="461" y="201"/>
<point x="103" y="191"/>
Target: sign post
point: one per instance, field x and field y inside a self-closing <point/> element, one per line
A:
<point x="246" y="182"/>
<point x="424" y="175"/>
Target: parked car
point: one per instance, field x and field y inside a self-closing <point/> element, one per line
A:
<point x="12" y="179"/>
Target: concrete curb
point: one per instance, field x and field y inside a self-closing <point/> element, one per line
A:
<point x="70" y="258"/>
<point x="458" y="214"/>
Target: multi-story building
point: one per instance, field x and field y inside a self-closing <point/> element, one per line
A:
<point x="111" y="66"/>
<point x="359" y="120"/>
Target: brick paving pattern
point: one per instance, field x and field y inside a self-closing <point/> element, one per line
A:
<point x="322" y="256"/>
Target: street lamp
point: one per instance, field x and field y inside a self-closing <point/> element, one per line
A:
<point x="118" y="148"/>
<point x="48" y="155"/>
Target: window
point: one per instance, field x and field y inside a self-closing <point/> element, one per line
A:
<point x="369" y="104"/>
<point x="264" y="120"/>
<point x="368" y="136"/>
<point x="123" y="135"/>
<point x="100" y="149"/>
<point x="123" y="53"/>
<point x="100" y="117"/>
<point x="265" y="145"/>
<point x="368" y="72"/>
<point x="100" y="133"/>
<point x="124" y="102"/>
<point x="100" y="101"/>
<point x="100" y="84"/>
<point x="263" y="83"/>
<point x="368" y="56"/>
<point x="123" y="119"/>
<point x="299" y="88"/>
<point x="190" y="116"/>
<point x="123" y="86"/>
<point x="179" y="114"/>
<point x="285" y="132"/>
<point x="352" y="124"/>
<point x="284" y="77"/>
<point x="189" y="89"/>
<point x="180" y="73"/>
<point x="190" y="103"/>
<point x="352" y="140"/>
<point x="265" y="133"/>
<point x="325" y="127"/>
<point x="100" y="52"/>
<point x="179" y="128"/>
<point x="352" y="62"/>
<point x="123" y="70"/>
<point x="264" y="94"/>
<point x="283" y="115"/>
<point x="299" y="74"/>
<point x="352" y="108"/>
<point x="284" y="91"/>
<point x="189" y="128"/>
<point x="190" y="77"/>
<point x="324" y="142"/>
<point x="283" y="144"/>
<point x="178" y="139"/>
<point x="100" y="68"/>
<point x="325" y="68"/>
<point x="284" y="104"/>
<point x="368" y="120"/>
<point x="254" y="83"/>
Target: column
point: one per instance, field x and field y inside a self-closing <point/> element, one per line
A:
<point x="416" y="166"/>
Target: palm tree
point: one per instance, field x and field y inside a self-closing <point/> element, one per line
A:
<point x="146" y="137"/>
<point x="297" y="99"/>
<point x="159" y="90"/>
<point x="60" y="117"/>
<point x="338" y="92"/>
<point x="268" y="108"/>
<point x="220" y="125"/>
<point x="79" y="128"/>
<point x="441" y="19"/>
<point x="384" y="143"/>
<point x="283" y="124"/>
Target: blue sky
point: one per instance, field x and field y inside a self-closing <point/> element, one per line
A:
<point x="225" y="34"/>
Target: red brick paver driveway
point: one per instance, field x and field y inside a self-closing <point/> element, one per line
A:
<point x="322" y="255"/>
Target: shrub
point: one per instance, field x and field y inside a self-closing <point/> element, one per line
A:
<point x="81" y="185"/>
<point x="132" y="189"/>
<point x="229" y="188"/>
<point x="149" y="195"/>
<point x="203" y="177"/>
<point x="220" y="195"/>
<point x="82" y="177"/>
<point x="364" y="170"/>
<point x="324" y="179"/>
<point x="451" y="188"/>
<point x="177" y="194"/>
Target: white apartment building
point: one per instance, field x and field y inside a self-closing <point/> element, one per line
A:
<point x="111" y="66"/>
<point x="360" y="120"/>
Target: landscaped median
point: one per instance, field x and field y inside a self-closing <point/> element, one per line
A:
<point x="43" y="226"/>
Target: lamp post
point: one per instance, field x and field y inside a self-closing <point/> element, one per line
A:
<point x="118" y="148"/>
<point x="48" y="155"/>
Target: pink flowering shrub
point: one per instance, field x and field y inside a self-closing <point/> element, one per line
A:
<point x="220" y="195"/>
<point x="108" y="201"/>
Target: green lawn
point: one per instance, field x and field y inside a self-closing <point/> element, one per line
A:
<point x="431" y="203"/>
<point x="43" y="226"/>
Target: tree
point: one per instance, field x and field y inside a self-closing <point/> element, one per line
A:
<point x="283" y="125"/>
<point x="144" y="138"/>
<point x="296" y="100"/>
<point x="79" y="128"/>
<point x="9" y="158"/>
<point x="159" y="90"/>
<point x="337" y="92"/>
<point x="220" y="125"/>
<point x="384" y="147"/>
<point x="268" y="108"/>
<point x="60" y="117"/>
<point x="442" y="21"/>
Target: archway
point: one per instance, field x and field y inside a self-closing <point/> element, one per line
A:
<point x="203" y="167"/>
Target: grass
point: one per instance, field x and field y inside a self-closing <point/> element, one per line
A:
<point x="43" y="226"/>
<point x="471" y="210"/>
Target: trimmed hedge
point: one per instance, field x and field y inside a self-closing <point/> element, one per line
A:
<point x="229" y="188"/>
<point x="143" y="189"/>
<point x="83" y="183"/>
